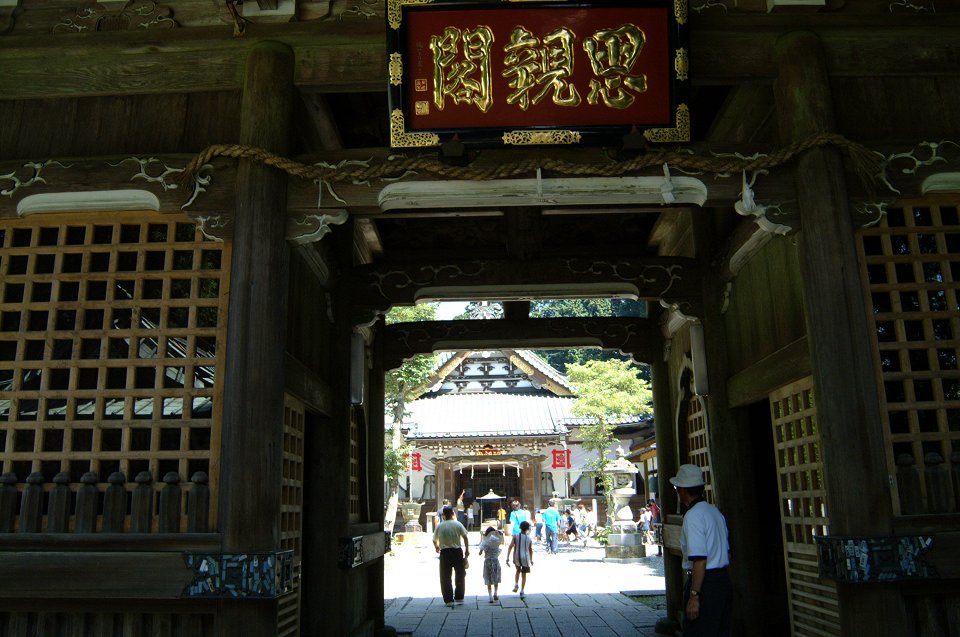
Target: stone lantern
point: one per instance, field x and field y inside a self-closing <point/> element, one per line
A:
<point x="623" y="543"/>
<point x="411" y="516"/>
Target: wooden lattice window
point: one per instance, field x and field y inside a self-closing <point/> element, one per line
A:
<point x="698" y="442"/>
<point x="291" y="511"/>
<point x="910" y="263"/>
<point x="109" y="357"/>
<point x="803" y="508"/>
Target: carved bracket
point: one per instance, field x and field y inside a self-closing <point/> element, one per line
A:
<point x="912" y="163"/>
<point x="301" y="228"/>
<point x="776" y="218"/>
<point x="16" y="182"/>
<point x="869" y="213"/>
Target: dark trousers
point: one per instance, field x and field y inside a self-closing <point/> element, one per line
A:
<point x="716" y="599"/>
<point x="452" y="560"/>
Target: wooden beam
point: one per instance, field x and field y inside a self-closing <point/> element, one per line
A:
<point x="105" y="574"/>
<point x="350" y="55"/>
<point x="784" y="366"/>
<point x="324" y="128"/>
<point x="308" y="386"/>
<point x="159" y="175"/>
<point x="119" y="542"/>
<point x="329" y="55"/>
<point x="375" y="288"/>
<point x="638" y="337"/>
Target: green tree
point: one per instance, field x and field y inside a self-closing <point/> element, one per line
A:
<point x="398" y="387"/>
<point x="553" y="308"/>
<point x="607" y="392"/>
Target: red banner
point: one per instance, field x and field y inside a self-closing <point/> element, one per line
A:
<point x="561" y="459"/>
<point x="414" y="462"/>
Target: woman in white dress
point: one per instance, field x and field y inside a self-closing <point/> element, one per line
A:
<point x="490" y="550"/>
<point x="521" y="550"/>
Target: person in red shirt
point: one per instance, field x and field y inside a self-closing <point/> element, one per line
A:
<point x="655" y="510"/>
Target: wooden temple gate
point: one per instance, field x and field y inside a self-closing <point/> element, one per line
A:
<point x="191" y="362"/>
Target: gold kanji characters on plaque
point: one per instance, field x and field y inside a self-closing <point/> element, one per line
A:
<point x="541" y="66"/>
<point x="537" y="67"/>
<point x="463" y="74"/>
<point x="613" y="54"/>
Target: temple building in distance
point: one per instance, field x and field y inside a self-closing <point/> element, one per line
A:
<point x="502" y="420"/>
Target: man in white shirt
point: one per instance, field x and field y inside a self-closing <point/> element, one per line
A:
<point x="704" y="541"/>
<point x="446" y="540"/>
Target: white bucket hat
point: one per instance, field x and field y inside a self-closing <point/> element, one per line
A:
<point x="689" y="475"/>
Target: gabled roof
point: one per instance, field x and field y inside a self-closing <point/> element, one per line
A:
<point x="535" y="367"/>
<point x="482" y="415"/>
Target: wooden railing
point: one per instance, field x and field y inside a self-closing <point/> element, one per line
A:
<point x="941" y="484"/>
<point x="117" y="508"/>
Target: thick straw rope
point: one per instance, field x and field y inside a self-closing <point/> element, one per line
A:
<point x="867" y="163"/>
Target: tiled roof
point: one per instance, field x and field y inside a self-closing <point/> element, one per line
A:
<point x="484" y="415"/>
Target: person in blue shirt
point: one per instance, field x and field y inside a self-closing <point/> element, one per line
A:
<point x="517" y="515"/>
<point x="551" y="524"/>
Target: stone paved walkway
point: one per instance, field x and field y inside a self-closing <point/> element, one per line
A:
<point x="574" y="592"/>
<point x="587" y="615"/>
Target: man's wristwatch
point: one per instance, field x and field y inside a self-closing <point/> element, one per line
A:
<point x="694" y="593"/>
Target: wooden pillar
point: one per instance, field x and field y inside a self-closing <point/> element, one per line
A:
<point x="375" y="445"/>
<point x="252" y="438"/>
<point x="731" y="451"/>
<point x="666" y="431"/>
<point x="333" y="599"/>
<point x="858" y="497"/>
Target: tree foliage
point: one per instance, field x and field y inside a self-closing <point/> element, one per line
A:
<point x="398" y="383"/>
<point x="607" y="391"/>
<point x="554" y="308"/>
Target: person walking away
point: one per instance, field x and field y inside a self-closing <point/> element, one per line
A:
<point x="501" y="517"/>
<point x="490" y="550"/>
<point x="570" y="530"/>
<point x="446" y="540"/>
<point x="704" y="542"/>
<point x="521" y="550"/>
<point x="517" y="515"/>
<point x="470" y="516"/>
<point x="538" y="524"/>
<point x="551" y="524"/>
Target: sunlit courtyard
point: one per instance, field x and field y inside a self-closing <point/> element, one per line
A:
<point x="572" y="590"/>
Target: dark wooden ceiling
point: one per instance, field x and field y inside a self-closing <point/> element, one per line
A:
<point x="728" y="106"/>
